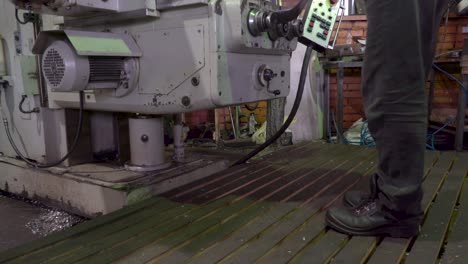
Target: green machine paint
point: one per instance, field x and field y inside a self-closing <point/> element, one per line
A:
<point x="319" y="20"/>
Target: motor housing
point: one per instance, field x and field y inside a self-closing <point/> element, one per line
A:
<point x="66" y="71"/>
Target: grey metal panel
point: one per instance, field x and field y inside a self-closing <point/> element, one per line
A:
<point x="30" y="75"/>
<point x="27" y="129"/>
<point x="104" y="133"/>
<point x="180" y="53"/>
<point x="69" y="8"/>
<point x="56" y="143"/>
<point x="235" y="78"/>
<point x="3" y="69"/>
<point x="168" y="4"/>
<point x="45" y="38"/>
<point x="227" y="76"/>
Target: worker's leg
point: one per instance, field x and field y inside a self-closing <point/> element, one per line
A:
<point x="399" y="51"/>
<point x="402" y="36"/>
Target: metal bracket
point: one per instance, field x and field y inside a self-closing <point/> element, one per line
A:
<point x="18" y="46"/>
<point x="6" y="80"/>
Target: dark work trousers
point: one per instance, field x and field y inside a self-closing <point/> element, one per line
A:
<point x="401" y="41"/>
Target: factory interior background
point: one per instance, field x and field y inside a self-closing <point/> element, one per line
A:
<point x="133" y="132"/>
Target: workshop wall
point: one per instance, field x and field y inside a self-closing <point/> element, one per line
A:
<point x="198" y="119"/>
<point x="353" y="108"/>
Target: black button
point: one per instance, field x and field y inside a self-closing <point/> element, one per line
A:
<point x="328" y="23"/>
<point x="320" y="4"/>
<point x="330" y="17"/>
<point x="309" y="29"/>
<point x="315" y="9"/>
<point x="320" y="35"/>
<point x="323" y="13"/>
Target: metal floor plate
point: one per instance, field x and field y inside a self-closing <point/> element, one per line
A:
<point x="269" y="211"/>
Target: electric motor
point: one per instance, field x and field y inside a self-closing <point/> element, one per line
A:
<point x="66" y="71"/>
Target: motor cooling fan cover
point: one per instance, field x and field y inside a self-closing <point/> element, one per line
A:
<point x="63" y="69"/>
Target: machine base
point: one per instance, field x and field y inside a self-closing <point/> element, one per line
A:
<point x="137" y="168"/>
<point x="93" y="189"/>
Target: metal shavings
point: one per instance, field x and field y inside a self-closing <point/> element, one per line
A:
<point x="51" y="221"/>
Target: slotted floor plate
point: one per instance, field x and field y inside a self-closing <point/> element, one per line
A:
<point x="269" y="211"/>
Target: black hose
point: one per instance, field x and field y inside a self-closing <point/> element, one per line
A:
<point x="285" y="16"/>
<point x="20" y="106"/>
<point x="53" y="164"/>
<point x="18" y="19"/>
<point x="292" y="115"/>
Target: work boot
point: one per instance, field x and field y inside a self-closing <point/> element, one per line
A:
<point x="370" y="219"/>
<point x="354" y="199"/>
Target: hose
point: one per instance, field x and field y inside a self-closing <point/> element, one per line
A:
<point x="462" y="86"/>
<point x="18" y="19"/>
<point x="20" y="106"/>
<point x="56" y="163"/>
<point x="285" y="16"/>
<point x="292" y="115"/>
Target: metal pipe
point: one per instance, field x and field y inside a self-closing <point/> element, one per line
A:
<point x="338" y="27"/>
<point x="3" y="67"/>
<point x="232" y="123"/>
<point x="179" y="152"/>
<point x="431" y="94"/>
<point x="461" y="117"/>
<point x="43" y="97"/>
<point x="351" y="9"/>
<point x="462" y="104"/>
<point x="340" y="98"/>
<point x="236" y="120"/>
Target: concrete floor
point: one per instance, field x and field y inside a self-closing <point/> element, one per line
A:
<point x="14" y="218"/>
<point x="22" y="221"/>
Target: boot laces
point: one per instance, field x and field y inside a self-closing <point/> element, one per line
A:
<point x="366" y="207"/>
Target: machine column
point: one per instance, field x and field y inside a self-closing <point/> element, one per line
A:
<point x="179" y="152"/>
<point x="147" y="144"/>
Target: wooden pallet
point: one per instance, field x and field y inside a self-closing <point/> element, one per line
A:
<point x="270" y="211"/>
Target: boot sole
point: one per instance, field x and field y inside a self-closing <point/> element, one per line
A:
<point x="404" y="229"/>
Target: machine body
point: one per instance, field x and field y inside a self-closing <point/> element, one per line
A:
<point x="193" y="55"/>
<point x="143" y="58"/>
